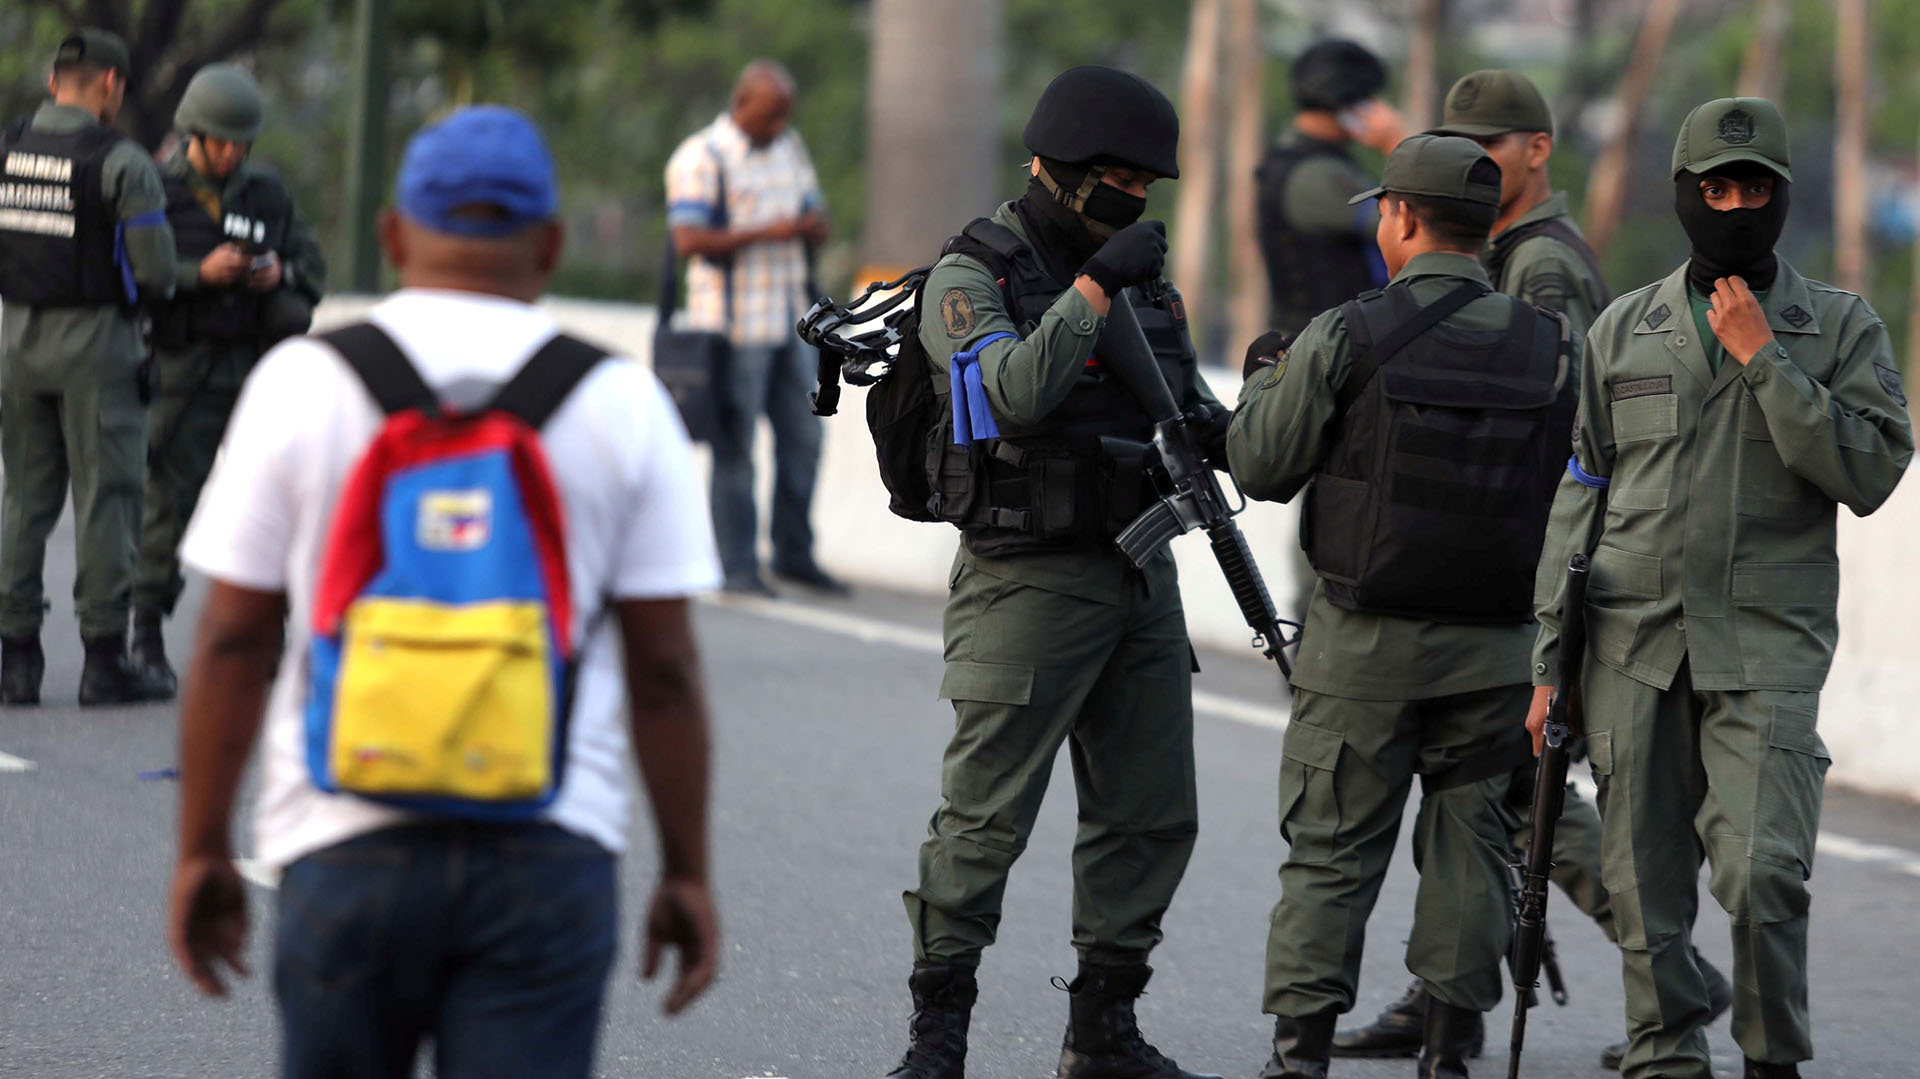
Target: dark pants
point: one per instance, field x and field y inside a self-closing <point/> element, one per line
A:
<point x="492" y="941"/>
<point x="773" y="379"/>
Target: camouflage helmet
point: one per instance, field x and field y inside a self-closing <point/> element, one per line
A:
<point x="222" y="101"/>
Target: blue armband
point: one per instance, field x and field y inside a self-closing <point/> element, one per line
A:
<point x="1598" y="483"/>
<point x="972" y="415"/>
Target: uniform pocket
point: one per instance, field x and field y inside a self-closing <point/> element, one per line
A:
<point x="1310" y="798"/>
<point x="1764" y="485"/>
<point x="991" y="683"/>
<point x="1786" y="815"/>
<point x="1786" y="620"/>
<point x="1624" y="590"/>
<point x="1600" y="752"/>
<point x="1637" y="419"/>
<point x="1337" y="523"/>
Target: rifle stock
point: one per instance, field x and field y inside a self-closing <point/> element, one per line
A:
<point x="1549" y="798"/>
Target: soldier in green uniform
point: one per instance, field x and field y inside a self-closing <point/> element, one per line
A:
<point x="1052" y="636"/>
<point x="250" y="273"/>
<point x="1726" y="412"/>
<point x="83" y="237"/>
<point x="1426" y="416"/>
<point x="1317" y="246"/>
<point x="1538" y="255"/>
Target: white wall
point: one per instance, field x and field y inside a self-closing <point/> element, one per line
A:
<point x="1867" y="719"/>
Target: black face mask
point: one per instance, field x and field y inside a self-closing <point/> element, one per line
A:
<point x="1727" y="243"/>
<point x="1112" y="209"/>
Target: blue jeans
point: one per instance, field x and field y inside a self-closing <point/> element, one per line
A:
<point x="774" y="379"/>
<point x="492" y="941"/>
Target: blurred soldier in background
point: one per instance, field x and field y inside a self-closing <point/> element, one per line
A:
<point x="83" y="236"/>
<point x="1726" y="413"/>
<point x="250" y="273"/>
<point x="1538" y="255"/>
<point x="1052" y="636"/>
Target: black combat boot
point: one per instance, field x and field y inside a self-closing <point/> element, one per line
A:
<point x="21" y="666"/>
<point x="1398" y="1030"/>
<point x="1760" y="1070"/>
<point x="110" y="676"/>
<point x="1301" y="1047"/>
<point x="150" y="651"/>
<point x="1448" y="1033"/>
<point x="1719" y="999"/>
<point x="943" y="999"/>
<point x="1103" y="1041"/>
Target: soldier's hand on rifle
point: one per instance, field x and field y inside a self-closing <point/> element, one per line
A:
<point x="223" y="265"/>
<point x="263" y="274"/>
<point x="1537" y="716"/>
<point x="1209" y="423"/>
<point x="1133" y="256"/>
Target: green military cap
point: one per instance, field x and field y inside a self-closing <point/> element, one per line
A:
<point x="97" y="47"/>
<point x="1732" y="129"/>
<point x="1437" y="166"/>
<point x="1488" y="103"/>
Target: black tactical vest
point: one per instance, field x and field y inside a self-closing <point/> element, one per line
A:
<point x="56" y="227"/>
<point x="256" y="218"/>
<point x="1433" y="502"/>
<point x="1076" y="478"/>
<point x="1503" y="247"/>
<point x="1308" y="272"/>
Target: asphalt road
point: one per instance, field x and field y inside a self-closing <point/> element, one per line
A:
<point x="828" y="746"/>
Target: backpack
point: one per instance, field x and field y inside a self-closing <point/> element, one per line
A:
<point x="442" y="661"/>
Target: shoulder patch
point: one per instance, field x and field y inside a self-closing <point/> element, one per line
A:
<point x="1549" y="289"/>
<point x="1796" y="316"/>
<point x="1658" y="317"/>
<point x="1890" y="382"/>
<point x="1280" y="369"/>
<point x="956" y="313"/>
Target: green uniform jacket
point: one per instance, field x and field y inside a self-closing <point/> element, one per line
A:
<point x="1025" y="380"/>
<point x="1708" y="501"/>
<point x="303" y="272"/>
<point x="41" y="346"/>
<point x="1548" y="274"/>
<point x="1283" y="432"/>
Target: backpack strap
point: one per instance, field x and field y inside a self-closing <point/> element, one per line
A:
<point x="1369" y="355"/>
<point x="546" y="379"/>
<point x="389" y="376"/>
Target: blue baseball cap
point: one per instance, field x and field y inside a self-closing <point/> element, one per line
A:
<point x="482" y="155"/>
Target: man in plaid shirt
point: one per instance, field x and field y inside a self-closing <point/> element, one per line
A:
<point x="744" y="207"/>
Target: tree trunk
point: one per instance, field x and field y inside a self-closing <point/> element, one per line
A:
<point x="1423" y="65"/>
<point x="1608" y="193"/>
<point x="1850" y="146"/>
<point x="1760" y="66"/>
<point x="931" y="144"/>
<point x="1193" y="211"/>
<point x="1246" y="274"/>
<point x="1583" y="78"/>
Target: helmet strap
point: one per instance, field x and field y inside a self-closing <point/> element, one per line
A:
<point x="1076" y="199"/>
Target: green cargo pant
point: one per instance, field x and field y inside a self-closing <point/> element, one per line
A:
<point x="91" y="429"/>
<point x="1346" y="771"/>
<point x="1028" y="669"/>
<point x="1746" y="769"/>
<point x="186" y="432"/>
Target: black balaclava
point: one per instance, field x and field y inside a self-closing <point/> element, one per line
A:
<point x="1730" y="242"/>
<point x="1074" y="212"/>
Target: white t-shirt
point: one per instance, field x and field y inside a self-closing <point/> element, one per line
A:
<point x="635" y="515"/>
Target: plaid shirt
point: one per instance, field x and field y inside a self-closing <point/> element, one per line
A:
<point x="764" y="184"/>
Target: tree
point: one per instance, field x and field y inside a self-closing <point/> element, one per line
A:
<point x="169" y="40"/>
<point x="1850" y="61"/>
<point x="1607" y="195"/>
<point x="1246" y="273"/>
<point x="1199" y="160"/>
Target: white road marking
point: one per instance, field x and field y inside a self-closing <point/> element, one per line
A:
<point x="875" y="631"/>
<point x="11" y="763"/>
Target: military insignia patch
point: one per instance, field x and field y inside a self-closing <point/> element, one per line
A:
<point x="1466" y="95"/>
<point x="956" y="314"/>
<point x="1658" y="317"/>
<point x="1736" y="127"/>
<point x="1280" y="369"/>
<point x="1890" y="382"/>
<point x="1796" y="316"/>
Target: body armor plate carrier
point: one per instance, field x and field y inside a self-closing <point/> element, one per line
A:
<point x="57" y="230"/>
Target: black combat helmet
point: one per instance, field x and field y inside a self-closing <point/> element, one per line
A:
<point x="1336" y="73"/>
<point x="1090" y="115"/>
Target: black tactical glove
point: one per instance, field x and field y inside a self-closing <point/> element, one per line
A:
<point x="1209" y="423"/>
<point x="1265" y="351"/>
<point x="1135" y="255"/>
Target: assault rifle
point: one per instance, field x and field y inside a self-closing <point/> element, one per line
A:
<point x="1193" y="498"/>
<point x="1549" y="798"/>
